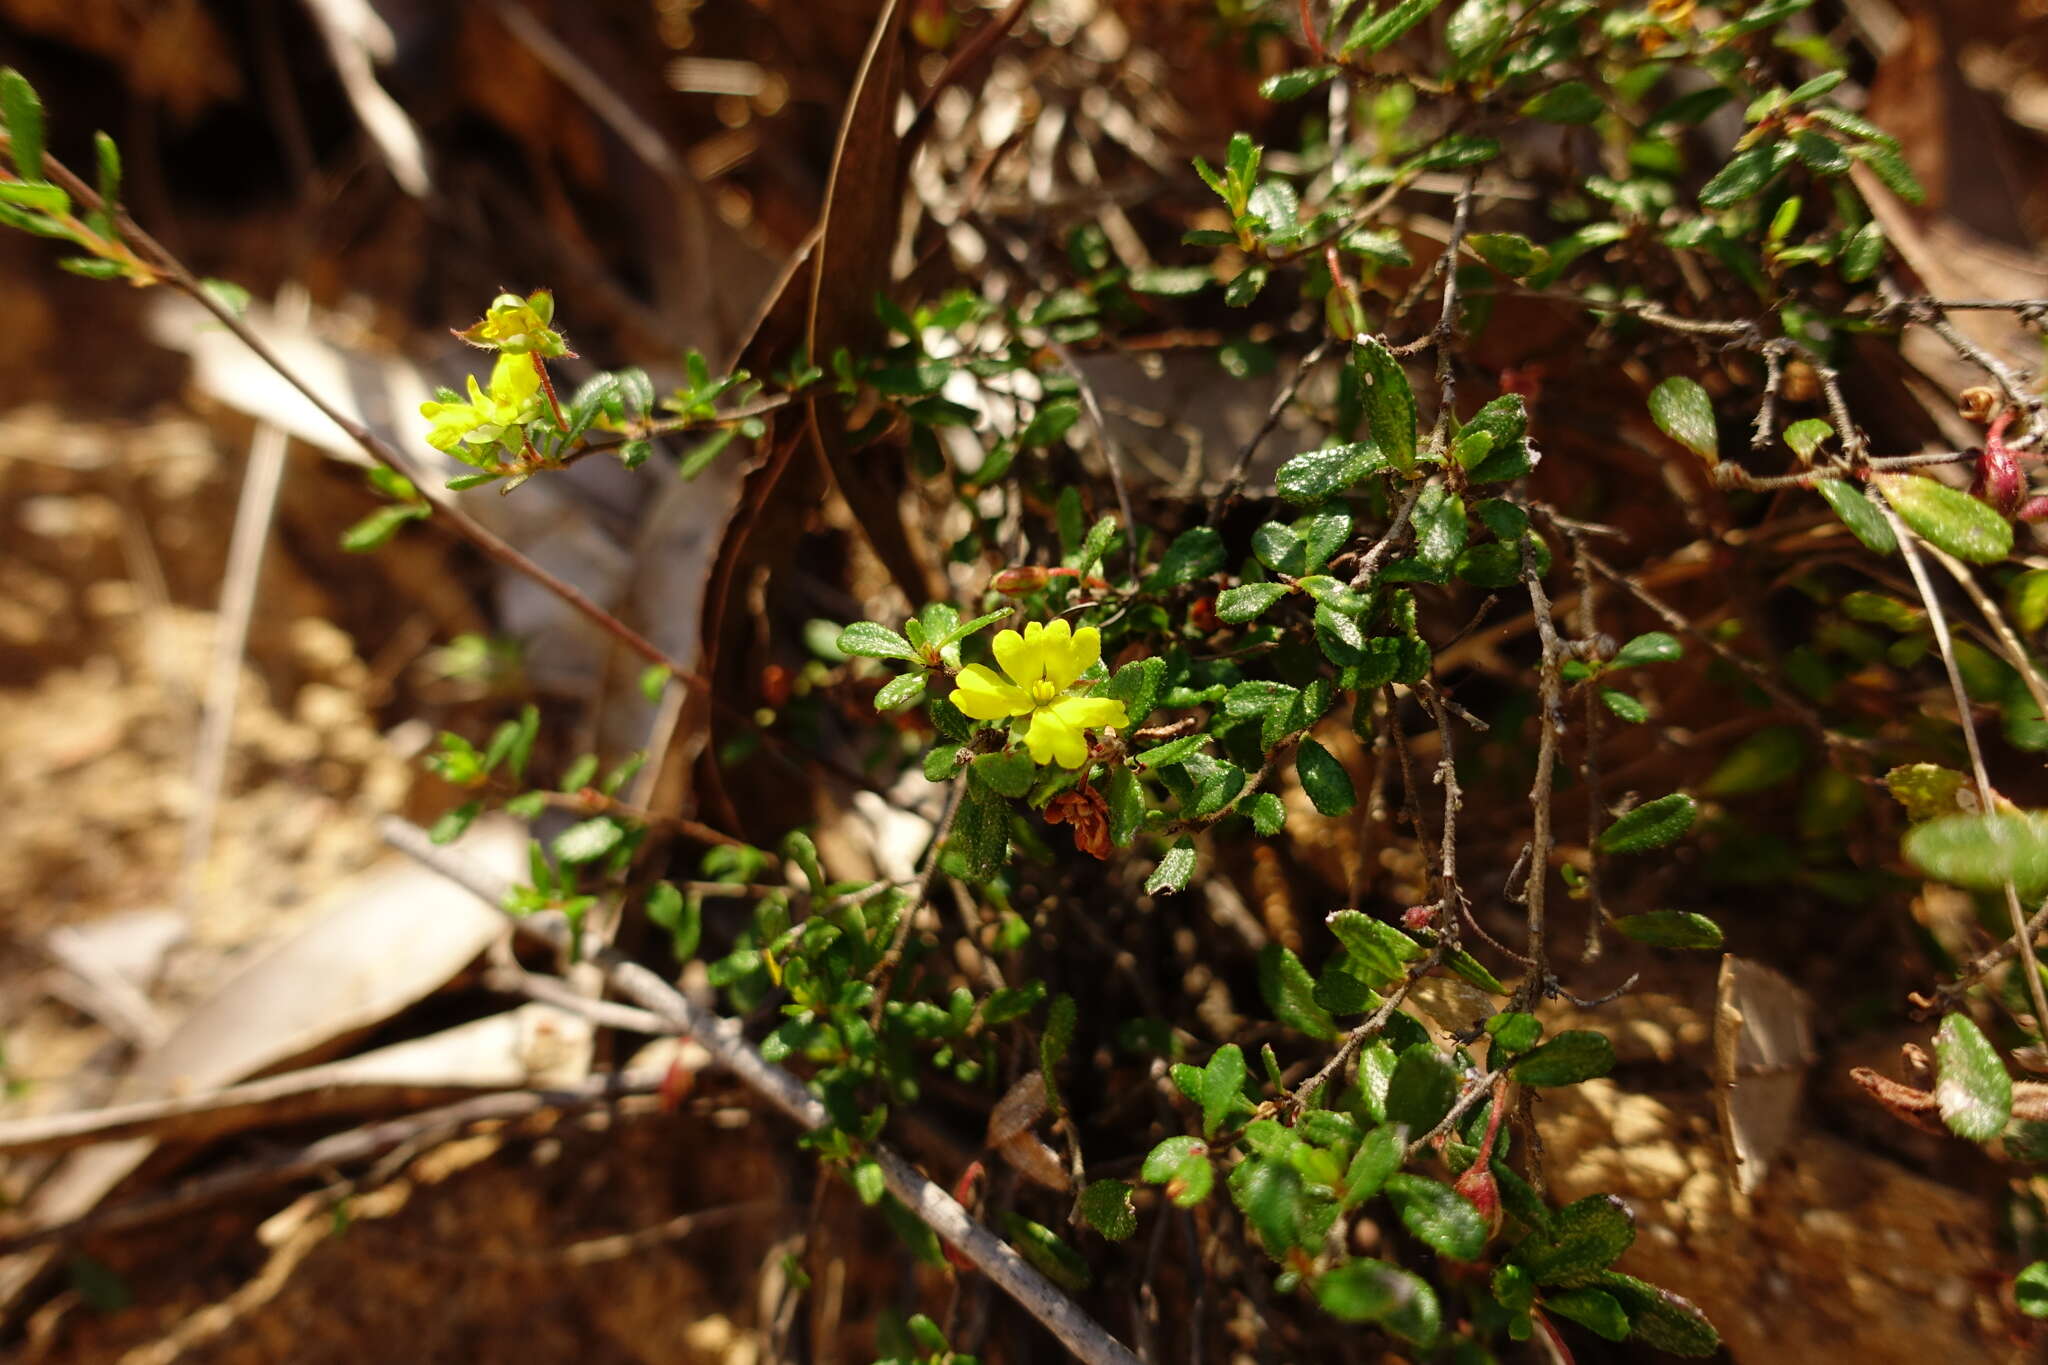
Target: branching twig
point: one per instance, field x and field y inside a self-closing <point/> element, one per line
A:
<point x="1937" y="620"/>
<point x="1234" y="483"/>
<point x="724" y="1040"/>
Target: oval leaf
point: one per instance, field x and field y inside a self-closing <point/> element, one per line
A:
<point x="1983" y="852"/>
<point x="1670" y="929"/>
<point x="1948" y="518"/>
<point x="1652" y="825"/>
<point x="1387" y="400"/>
<point x="1567" y="1059"/>
<point x="1439" y="1215"/>
<point x="1682" y="411"/>
<point x="1971" y="1083"/>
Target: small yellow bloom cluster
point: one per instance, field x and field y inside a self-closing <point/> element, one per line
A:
<point x="1048" y="710"/>
<point x="516" y="326"/>
<point x="513" y="400"/>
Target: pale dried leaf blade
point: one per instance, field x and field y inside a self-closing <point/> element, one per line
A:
<point x="1763" y="1044"/>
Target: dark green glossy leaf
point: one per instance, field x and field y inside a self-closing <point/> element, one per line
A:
<point x="1670" y="929"/>
<point x="1386" y="399"/>
<point x="1290" y="993"/>
<point x="1438" y="1215"/>
<point x="872" y="640"/>
<point x="1246" y="601"/>
<point x="1571" y="1057"/>
<point x="1652" y="825"/>
<point x="1324" y="779"/>
<point x="1106" y="1207"/>
<point x="1863" y="520"/>
<point x="1660" y="1318"/>
<point x="1315" y="475"/>
<point x="1174" y="869"/>
<point x="1422" y="1089"/>
<point x="1386" y="1295"/>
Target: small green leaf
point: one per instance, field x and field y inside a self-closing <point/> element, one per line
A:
<point x="376" y="530"/>
<point x="1670" y="929"/>
<point x="1628" y="708"/>
<point x="1652" y="825"/>
<point x="1008" y="774"/>
<point x="1745" y="174"/>
<point x="1324" y="779"/>
<point x="1592" y="1308"/>
<point x="23" y="113"/>
<point x="588" y="841"/>
<point x="1248" y="600"/>
<point x="981" y="833"/>
<point x="1195" y="553"/>
<point x="2030" y="1290"/>
<point x="1891" y="168"/>
<point x="1514" y="1031"/>
<point x="2026" y="600"/>
<point x="1511" y="254"/>
<point x="1772" y="755"/>
<point x="1438" y="1215"/>
<point x="872" y="640"/>
<point x="1174" y="869"/>
<point x="1582" y="1239"/>
<point x="1106" y="1207"/>
<point x="1573" y="1056"/>
<point x="1373" y="32"/>
<point x="681" y="915"/>
<point x="1422" y="1089"/>
<point x="1126" y="805"/>
<point x="1379" y="953"/>
<point x="1268" y="813"/>
<point x="1222" y="1085"/>
<point x="1372" y="1291"/>
<point x="1863" y="253"/>
<point x="1572" y="102"/>
<point x="1971" y="1083"/>
<point x="450" y="827"/>
<point x="900" y="692"/>
<point x="1682" y="411"/>
<point x="1290" y="993"/>
<point x="1316" y="475"/>
<point x="1387" y="400"/>
<point x="1167" y="282"/>
<point x="1805" y="436"/>
<point x="1043" y="1247"/>
<point x="1653" y="648"/>
<point x="1378" y="1157"/>
<point x="1948" y="517"/>
<point x="1182" y="1165"/>
<point x="1137" y="685"/>
<point x="1863" y="520"/>
<point x="1292" y="85"/>
<point x="1928" y="790"/>
<point x="1439" y="521"/>
<point x="1660" y="1318"/>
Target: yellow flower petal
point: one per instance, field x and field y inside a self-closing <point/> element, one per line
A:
<point x="1074" y="656"/>
<point x="1022" y="656"/>
<point x="1052" y="740"/>
<point x="1090" y="713"/>
<point x="979" y="693"/>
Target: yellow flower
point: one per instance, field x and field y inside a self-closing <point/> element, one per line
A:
<point x="1043" y="665"/>
<point x="515" y="326"/>
<point x="514" y="399"/>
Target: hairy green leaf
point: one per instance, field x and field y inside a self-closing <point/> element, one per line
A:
<point x="1971" y="1083"/>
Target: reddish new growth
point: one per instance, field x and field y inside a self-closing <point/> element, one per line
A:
<point x="2000" y="481"/>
